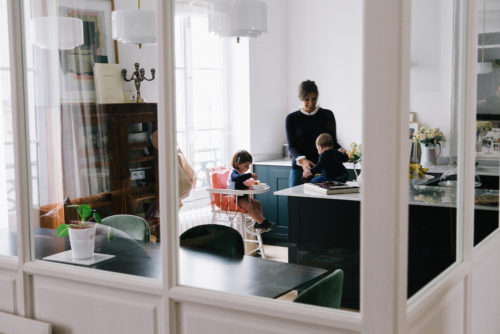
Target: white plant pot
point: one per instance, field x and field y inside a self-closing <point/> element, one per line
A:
<point x="430" y="155"/>
<point x="82" y="241"/>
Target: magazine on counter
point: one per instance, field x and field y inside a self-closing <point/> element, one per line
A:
<point x="332" y="187"/>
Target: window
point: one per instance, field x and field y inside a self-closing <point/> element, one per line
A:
<point x="90" y="160"/>
<point x="201" y="94"/>
<point x="7" y="166"/>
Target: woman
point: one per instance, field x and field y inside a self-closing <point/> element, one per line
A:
<point x="303" y="127"/>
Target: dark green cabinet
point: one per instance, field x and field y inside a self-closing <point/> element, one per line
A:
<point x="275" y="207"/>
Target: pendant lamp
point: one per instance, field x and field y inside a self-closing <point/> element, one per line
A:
<point x="484" y="67"/>
<point x="238" y="18"/>
<point x="57" y="32"/>
<point x="248" y="18"/>
<point x="134" y="26"/>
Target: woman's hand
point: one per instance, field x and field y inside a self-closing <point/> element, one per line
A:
<point x="306" y="174"/>
<point x="342" y="150"/>
<point x="254" y="176"/>
<point x="305" y="164"/>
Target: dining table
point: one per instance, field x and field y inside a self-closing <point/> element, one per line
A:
<point x="239" y="274"/>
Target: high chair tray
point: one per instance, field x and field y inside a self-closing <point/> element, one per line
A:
<point x="239" y="192"/>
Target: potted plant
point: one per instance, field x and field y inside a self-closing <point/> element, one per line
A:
<point x="82" y="232"/>
<point x="430" y="145"/>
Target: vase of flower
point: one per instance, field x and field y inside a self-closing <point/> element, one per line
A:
<point x="430" y="145"/>
<point x="430" y="155"/>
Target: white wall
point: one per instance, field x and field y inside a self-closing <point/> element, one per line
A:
<point x="431" y="65"/>
<point x="268" y="84"/>
<point x="307" y="39"/>
<point x="324" y="45"/>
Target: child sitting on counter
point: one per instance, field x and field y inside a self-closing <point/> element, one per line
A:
<point x="330" y="162"/>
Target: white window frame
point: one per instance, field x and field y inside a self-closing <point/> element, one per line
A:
<point x="383" y="232"/>
<point x="189" y="151"/>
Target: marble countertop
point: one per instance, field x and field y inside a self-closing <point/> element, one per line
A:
<point x="277" y="162"/>
<point x="418" y="195"/>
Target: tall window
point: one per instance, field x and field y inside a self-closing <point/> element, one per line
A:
<point x="201" y="62"/>
<point x="7" y="176"/>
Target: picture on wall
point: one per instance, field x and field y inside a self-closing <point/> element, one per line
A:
<point x="77" y="64"/>
<point x="413" y="128"/>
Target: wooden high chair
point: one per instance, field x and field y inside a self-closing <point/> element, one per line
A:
<point x="224" y="205"/>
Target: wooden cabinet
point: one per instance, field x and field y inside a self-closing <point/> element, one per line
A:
<point x="107" y="149"/>
<point x="275" y="207"/>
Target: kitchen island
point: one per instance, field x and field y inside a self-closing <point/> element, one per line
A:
<point x="324" y="231"/>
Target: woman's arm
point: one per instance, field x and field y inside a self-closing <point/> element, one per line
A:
<point x="292" y="144"/>
<point x="291" y="137"/>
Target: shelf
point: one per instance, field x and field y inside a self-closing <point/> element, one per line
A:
<point x="138" y="146"/>
<point x="143" y="159"/>
<point x="143" y="197"/>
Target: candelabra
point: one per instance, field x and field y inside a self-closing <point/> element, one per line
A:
<point x="138" y="76"/>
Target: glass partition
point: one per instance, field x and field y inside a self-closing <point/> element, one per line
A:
<point x="8" y="235"/>
<point x="488" y="120"/>
<point x="236" y="86"/>
<point x="433" y="138"/>
<point x="93" y="124"/>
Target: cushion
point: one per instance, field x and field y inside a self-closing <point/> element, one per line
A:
<point x="219" y="181"/>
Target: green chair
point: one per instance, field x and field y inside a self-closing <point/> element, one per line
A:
<point x="326" y="292"/>
<point x="136" y="227"/>
<point x="214" y="238"/>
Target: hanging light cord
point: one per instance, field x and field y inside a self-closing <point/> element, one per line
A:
<point x="138" y="4"/>
<point x="484" y="29"/>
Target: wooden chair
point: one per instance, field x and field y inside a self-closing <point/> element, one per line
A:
<point x="326" y="292"/>
<point x="215" y="238"/>
<point x="224" y="205"/>
<point x="136" y="227"/>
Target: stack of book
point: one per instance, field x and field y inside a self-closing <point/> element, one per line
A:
<point x="332" y="187"/>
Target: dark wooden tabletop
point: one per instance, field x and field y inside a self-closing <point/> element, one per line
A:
<point x="245" y="275"/>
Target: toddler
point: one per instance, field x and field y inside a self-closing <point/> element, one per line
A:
<point x="241" y="163"/>
<point x="330" y="162"/>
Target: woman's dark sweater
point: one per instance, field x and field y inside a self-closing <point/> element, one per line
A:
<point x="302" y="131"/>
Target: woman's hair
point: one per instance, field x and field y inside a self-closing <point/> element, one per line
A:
<point x="307" y="87"/>
<point x="324" y="140"/>
<point x="241" y="157"/>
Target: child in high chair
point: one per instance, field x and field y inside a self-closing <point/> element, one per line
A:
<point x="241" y="164"/>
<point x="330" y="162"/>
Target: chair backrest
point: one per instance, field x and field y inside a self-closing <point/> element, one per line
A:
<point x="136" y="227"/>
<point x="215" y="238"/>
<point x="326" y="292"/>
<point x="217" y="179"/>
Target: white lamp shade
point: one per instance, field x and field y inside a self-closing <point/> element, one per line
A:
<point x="248" y="18"/>
<point x="134" y="26"/>
<point x="237" y="18"/>
<point x="57" y="32"/>
<point x="484" y="68"/>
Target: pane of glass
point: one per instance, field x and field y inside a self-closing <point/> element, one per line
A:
<point x="93" y="155"/>
<point x="488" y="121"/>
<point x="432" y="139"/>
<point x="238" y="93"/>
<point x="8" y="229"/>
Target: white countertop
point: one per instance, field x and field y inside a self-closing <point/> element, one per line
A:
<point x="418" y="195"/>
<point x="278" y="162"/>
